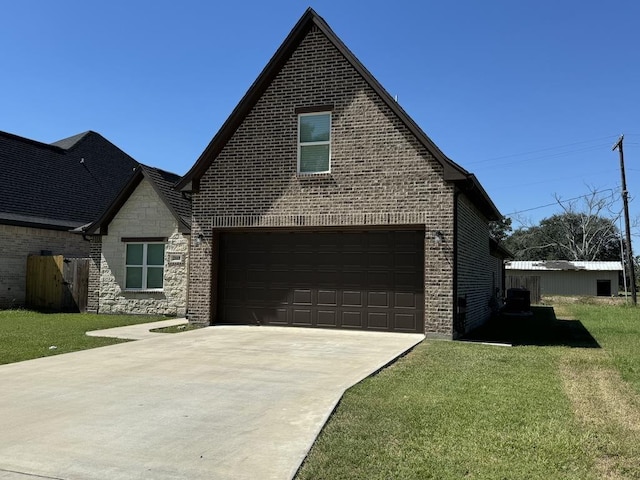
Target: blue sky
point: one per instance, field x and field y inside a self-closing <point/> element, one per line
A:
<point x="528" y="95"/>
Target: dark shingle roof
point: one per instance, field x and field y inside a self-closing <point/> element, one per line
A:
<point x="61" y="185"/>
<point x="162" y="182"/>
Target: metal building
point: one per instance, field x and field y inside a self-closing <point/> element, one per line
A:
<point x="561" y="277"/>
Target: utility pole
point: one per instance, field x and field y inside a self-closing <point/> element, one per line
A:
<point x="625" y="202"/>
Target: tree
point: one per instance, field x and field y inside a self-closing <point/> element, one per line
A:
<point x="580" y="232"/>
<point x="500" y="229"/>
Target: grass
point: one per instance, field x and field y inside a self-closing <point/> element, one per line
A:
<point x="548" y="408"/>
<point x="25" y="334"/>
<point x="618" y="330"/>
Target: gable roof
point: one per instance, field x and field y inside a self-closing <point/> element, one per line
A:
<point x="162" y="183"/>
<point x="563" y="265"/>
<point x="62" y="185"/>
<point x="452" y="171"/>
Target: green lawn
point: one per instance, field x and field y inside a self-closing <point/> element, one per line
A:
<point x="451" y="410"/>
<point x="25" y="334"/>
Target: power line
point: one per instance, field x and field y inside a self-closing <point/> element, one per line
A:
<point x="551" y="155"/>
<point x="609" y="137"/>
<point x="556" y="203"/>
<point x="555" y="179"/>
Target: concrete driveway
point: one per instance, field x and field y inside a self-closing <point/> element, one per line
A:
<point x="227" y="402"/>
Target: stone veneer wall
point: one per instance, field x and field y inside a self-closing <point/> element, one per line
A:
<point x="143" y="215"/>
<point x="16" y="243"/>
<point x="377" y="166"/>
<point x="93" y="287"/>
<point x="475" y="266"/>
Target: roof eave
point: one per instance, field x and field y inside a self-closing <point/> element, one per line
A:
<point x="101" y="225"/>
<point x="472" y="187"/>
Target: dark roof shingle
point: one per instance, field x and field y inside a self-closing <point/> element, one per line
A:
<point x="61" y="185"/>
<point x="162" y="182"/>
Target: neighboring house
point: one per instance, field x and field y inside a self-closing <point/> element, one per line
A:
<point x="140" y="248"/>
<point x="561" y="277"/>
<point x="47" y="190"/>
<point x="321" y="203"/>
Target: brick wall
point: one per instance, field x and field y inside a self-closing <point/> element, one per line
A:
<point x="143" y="215"/>
<point x="95" y="257"/>
<point x="475" y="266"/>
<point x="18" y="243"/>
<point x="376" y="166"/>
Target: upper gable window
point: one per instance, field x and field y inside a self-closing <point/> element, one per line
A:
<point x="314" y="142"/>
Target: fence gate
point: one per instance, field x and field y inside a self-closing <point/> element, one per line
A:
<point x="56" y="283"/>
<point x="530" y="282"/>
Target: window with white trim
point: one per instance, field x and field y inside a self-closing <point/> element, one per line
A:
<point x="144" y="266"/>
<point x="314" y="142"/>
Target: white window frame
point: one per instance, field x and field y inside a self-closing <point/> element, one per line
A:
<point x="144" y="267"/>
<point x="305" y="144"/>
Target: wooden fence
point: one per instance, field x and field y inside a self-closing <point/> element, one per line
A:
<point x="55" y="283"/>
<point x="530" y="282"/>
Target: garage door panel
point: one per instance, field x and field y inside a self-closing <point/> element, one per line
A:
<point x="378" y="321"/>
<point x="405" y="300"/>
<point x="280" y="277"/>
<point x="378" y="299"/>
<point x="328" y="298"/>
<point x="352" y="319"/>
<point x="364" y="280"/>
<point x="406" y="322"/>
<point x="380" y="260"/>
<point x="302" y="317"/>
<point x="279" y="258"/>
<point x="352" y="278"/>
<point x="260" y="277"/>
<point x="404" y="260"/>
<point x="257" y="295"/>
<point x="352" y="299"/>
<point x="276" y="316"/>
<point x="327" y="318"/>
<point x="326" y="278"/>
<point x="302" y="278"/>
<point x="381" y="279"/>
<point x="330" y="259"/>
<point x="407" y="280"/>
<point x="235" y="277"/>
<point x="302" y="297"/>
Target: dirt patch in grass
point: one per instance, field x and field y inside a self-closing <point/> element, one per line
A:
<point x="608" y="408"/>
<point x="557" y="300"/>
<point x="600" y="397"/>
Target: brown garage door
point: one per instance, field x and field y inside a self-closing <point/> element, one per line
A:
<point x="364" y="280"/>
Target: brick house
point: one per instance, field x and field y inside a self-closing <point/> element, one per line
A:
<point x="48" y="190"/>
<point x="140" y="248"/>
<point x="321" y="203"/>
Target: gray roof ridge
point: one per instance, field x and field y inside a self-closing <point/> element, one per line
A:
<point x="69" y="142"/>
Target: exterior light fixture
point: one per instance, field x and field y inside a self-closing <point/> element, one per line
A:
<point x="199" y="239"/>
<point x="438" y="236"/>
